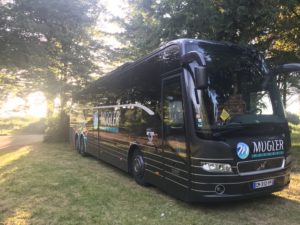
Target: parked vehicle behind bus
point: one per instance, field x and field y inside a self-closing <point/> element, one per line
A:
<point x="201" y="120"/>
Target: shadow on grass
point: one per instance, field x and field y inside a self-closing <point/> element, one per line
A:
<point x="10" y="156"/>
<point x="37" y="127"/>
<point x="21" y="125"/>
<point x="16" y="141"/>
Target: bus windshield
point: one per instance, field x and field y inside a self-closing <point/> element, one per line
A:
<point x="236" y="93"/>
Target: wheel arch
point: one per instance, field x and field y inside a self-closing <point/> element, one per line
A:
<point x="84" y="138"/>
<point x="80" y="137"/>
<point x="76" y="141"/>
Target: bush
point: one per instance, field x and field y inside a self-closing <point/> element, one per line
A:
<point x="33" y="128"/>
<point x="292" y="118"/>
<point x="57" y="129"/>
<point x="22" y="125"/>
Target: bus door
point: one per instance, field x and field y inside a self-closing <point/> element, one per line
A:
<point x="174" y="139"/>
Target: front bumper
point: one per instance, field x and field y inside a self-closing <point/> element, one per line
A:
<point x="203" y="187"/>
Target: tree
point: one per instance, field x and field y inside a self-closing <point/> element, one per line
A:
<point x="51" y="42"/>
<point x="153" y="22"/>
<point x="42" y="38"/>
<point x="20" y="50"/>
<point x="270" y="26"/>
<point x="285" y="46"/>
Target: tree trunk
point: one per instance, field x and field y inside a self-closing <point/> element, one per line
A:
<point x="284" y="90"/>
<point x="63" y="114"/>
<point x="50" y="107"/>
<point x="64" y="117"/>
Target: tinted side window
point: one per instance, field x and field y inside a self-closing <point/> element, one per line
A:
<point x="144" y="87"/>
<point x="171" y="58"/>
<point x="172" y="105"/>
<point x="144" y="84"/>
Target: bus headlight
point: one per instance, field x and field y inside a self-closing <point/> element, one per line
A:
<point x="216" y="167"/>
<point x="288" y="160"/>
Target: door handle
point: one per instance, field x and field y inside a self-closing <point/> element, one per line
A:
<point x="158" y="150"/>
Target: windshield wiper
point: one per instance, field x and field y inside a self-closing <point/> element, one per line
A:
<point x="228" y="129"/>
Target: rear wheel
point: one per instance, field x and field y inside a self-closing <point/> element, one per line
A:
<point x="82" y="149"/>
<point x="77" y="144"/>
<point x="138" y="168"/>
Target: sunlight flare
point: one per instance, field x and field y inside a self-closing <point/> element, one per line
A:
<point x="10" y="157"/>
<point x="20" y="217"/>
<point x="34" y="105"/>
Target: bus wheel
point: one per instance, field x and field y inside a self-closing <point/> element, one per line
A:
<point x="82" y="149"/>
<point x="138" y="168"/>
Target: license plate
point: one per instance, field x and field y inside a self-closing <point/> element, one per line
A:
<point x="263" y="183"/>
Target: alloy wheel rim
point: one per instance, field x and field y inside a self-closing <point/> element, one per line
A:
<point x="138" y="166"/>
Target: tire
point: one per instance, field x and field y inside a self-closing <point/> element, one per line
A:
<point x="82" y="149"/>
<point x="138" y="168"/>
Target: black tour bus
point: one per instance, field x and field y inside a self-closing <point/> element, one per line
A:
<point x="201" y="120"/>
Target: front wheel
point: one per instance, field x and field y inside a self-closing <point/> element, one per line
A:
<point x="138" y="168"/>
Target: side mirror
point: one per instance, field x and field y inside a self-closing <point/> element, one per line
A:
<point x="201" y="79"/>
<point x="193" y="56"/>
<point x="286" y="68"/>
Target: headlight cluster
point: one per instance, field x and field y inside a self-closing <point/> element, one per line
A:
<point x="216" y="167"/>
<point x="288" y="159"/>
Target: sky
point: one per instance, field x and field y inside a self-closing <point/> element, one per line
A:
<point x="34" y="105"/>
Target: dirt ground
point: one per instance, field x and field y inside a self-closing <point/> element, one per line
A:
<point x="19" y="140"/>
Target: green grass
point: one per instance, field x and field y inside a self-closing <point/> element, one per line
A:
<point x="295" y="136"/>
<point x="51" y="184"/>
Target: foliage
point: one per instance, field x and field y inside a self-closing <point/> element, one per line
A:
<point x="57" y="129"/>
<point x="292" y="118"/>
<point x="153" y="22"/>
<point x="20" y="43"/>
<point x="48" y="46"/>
<point x="53" y="45"/>
<point x="21" y="125"/>
<point x="271" y="27"/>
<point x="37" y="127"/>
<point x="51" y="42"/>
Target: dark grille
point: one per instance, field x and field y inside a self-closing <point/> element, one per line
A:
<point x="259" y="165"/>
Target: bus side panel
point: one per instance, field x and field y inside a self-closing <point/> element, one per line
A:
<point x="112" y="159"/>
<point x="111" y="153"/>
<point x="154" y="166"/>
<point x="113" y="145"/>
